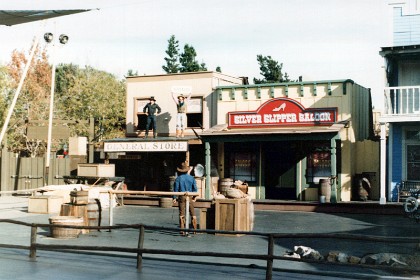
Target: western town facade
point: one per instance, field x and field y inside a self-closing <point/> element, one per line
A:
<point x="284" y="139"/>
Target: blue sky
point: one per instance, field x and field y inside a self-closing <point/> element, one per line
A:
<point x="316" y="39"/>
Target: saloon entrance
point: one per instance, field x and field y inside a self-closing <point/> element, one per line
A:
<point x="286" y="168"/>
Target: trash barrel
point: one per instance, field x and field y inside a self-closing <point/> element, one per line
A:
<point x="325" y="189"/>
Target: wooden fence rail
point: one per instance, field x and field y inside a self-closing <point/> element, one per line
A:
<point x="140" y="250"/>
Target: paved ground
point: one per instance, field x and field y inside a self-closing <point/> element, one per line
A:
<point x="15" y="263"/>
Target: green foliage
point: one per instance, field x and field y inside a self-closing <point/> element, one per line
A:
<point x="131" y="73"/>
<point x="218" y="69"/>
<point x="189" y="62"/>
<point x="181" y="62"/>
<point x="79" y="95"/>
<point x="172" y="65"/>
<point x="94" y="94"/>
<point x="271" y="70"/>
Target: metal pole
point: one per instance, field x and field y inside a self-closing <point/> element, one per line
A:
<point x="208" y="171"/>
<point x="18" y="90"/>
<point x="50" y="119"/>
<point x="382" y="199"/>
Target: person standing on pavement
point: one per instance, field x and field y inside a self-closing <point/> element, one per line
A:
<point x="185" y="183"/>
<point x="181" y="115"/>
<point x="152" y="110"/>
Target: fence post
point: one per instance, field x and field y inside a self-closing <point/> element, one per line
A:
<point x="269" y="272"/>
<point x="111" y="212"/>
<point x="187" y="213"/>
<point x="140" y="247"/>
<point x="32" y="250"/>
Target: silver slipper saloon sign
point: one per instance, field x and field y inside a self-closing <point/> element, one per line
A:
<point x="165" y="146"/>
<point x="282" y="112"/>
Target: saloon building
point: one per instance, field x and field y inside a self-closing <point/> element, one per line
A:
<point x="284" y="140"/>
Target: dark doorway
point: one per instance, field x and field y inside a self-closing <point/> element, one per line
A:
<point x="280" y="170"/>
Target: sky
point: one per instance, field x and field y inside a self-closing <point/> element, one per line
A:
<point x="315" y="39"/>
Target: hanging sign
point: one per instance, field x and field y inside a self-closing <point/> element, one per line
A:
<point x="165" y="146"/>
<point x="279" y="112"/>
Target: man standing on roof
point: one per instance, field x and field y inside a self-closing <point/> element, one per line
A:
<point x="185" y="183"/>
<point x="181" y="116"/>
<point x="152" y="109"/>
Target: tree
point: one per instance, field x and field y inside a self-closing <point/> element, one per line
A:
<point x="189" y="62"/>
<point x="131" y="73"/>
<point x="271" y="70"/>
<point x="172" y="64"/>
<point x="218" y="69"/>
<point x="33" y="102"/>
<point x="95" y="94"/>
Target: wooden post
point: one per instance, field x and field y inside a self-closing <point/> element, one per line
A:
<point x="32" y="251"/>
<point x="111" y="211"/>
<point x="269" y="271"/>
<point x="140" y="247"/>
<point x="187" y="213"/>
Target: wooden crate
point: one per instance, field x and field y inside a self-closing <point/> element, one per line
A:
<point x="96" y="170"/>
<point x="232" y="214"/>
<point x="44" y="204"/>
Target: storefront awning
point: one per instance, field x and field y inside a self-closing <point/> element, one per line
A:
<point x="223" y="133"/>
<point x="13" y="17"/>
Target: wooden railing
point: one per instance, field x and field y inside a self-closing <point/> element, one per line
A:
<point x="140" y="249"/>
<point x="402" y="100"/>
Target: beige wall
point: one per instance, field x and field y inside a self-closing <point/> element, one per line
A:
<point x="159" y="86"/>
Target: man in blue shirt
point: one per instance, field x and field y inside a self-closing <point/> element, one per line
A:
<point x="185" y="183"/>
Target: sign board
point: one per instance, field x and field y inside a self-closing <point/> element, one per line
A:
<point x="279" y="112"/>
<point x="41" y="132"/>
<point x="164" y="146"/>
<point x="181" y="89"/>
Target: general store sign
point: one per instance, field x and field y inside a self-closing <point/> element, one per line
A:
<point x="279" y="112"/>
<point x="165" y="146"/>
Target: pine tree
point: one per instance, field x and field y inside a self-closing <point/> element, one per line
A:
<point x="271" y="70"/>
<point x="172" y="65"/>
<point x="188" y="60"/>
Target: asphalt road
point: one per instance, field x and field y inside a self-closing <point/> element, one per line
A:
<point x="15" y="263"/>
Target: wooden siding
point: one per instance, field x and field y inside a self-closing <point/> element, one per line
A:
<point x="406" y="28"/>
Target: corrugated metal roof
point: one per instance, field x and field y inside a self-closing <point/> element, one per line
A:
<point x="223" y="130"/>
<point x="14" y="17"/>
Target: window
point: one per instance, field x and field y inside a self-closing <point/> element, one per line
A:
<point x="195" y="112"/>
<point x="242" y="166"/>
<point x="412" y="154"/>
<point x="413" y="162"/>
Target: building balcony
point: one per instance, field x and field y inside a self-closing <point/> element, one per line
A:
<point x="402" y="104"/>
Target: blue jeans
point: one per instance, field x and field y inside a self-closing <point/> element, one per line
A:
<point x="151" y="118"/>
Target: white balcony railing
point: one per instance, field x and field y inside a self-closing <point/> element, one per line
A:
<point x="402" y="100"/>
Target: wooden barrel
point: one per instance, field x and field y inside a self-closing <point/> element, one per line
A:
<point x="57" y="232"/>
<point x="165" y="202"/>
<point x="224" y="185"/>
<point x="79" y="197"/>
<point x="325" y="189"/>
<point x="94" y="213"/>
